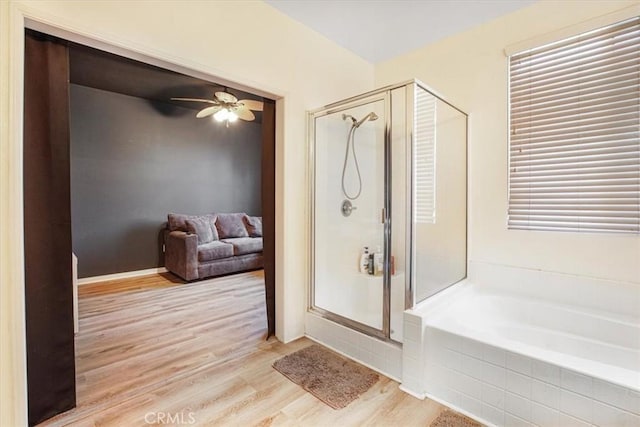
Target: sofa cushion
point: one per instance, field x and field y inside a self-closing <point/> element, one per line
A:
<point x="231" y="225"/>
<point x="214" y="250"/>
<point x="176" y="222"/>
<point x="245" y="245"/>
<point x="254" y="225"/>
<point x="203" y="227"/>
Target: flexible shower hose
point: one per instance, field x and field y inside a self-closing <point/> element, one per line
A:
<point x="351" y="141"/>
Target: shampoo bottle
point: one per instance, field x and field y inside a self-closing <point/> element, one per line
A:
<point x="378" y="261"/>
<point x="364" y="260"/>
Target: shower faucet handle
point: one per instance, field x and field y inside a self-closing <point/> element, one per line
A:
<point x="347" y="208"/>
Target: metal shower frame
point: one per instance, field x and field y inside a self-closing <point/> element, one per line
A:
<point x="381" y="94"/>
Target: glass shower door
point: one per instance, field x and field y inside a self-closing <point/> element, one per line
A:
<point x="348" y="271"/>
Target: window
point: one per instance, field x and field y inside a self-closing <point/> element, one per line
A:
<point x="424" y="157"/>
<point x="574" y="149"/>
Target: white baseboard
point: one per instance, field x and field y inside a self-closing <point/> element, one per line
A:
<point x="420" y="396"/>
<point x="123" y="275"/>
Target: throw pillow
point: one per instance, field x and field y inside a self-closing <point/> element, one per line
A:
<point x="203" y="227"/>
<point x="177" y="221"/>
<point x="254" y="225"/>
<point x="231" y="225"/>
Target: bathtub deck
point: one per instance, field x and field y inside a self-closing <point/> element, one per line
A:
<point x="515" y="358"/>
<point x="156" y="345"/>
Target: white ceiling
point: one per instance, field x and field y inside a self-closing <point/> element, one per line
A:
<point x="378" y="30"/>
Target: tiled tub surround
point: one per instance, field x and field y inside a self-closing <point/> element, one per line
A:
<point x="547" y="350"/>
<point x="503" y="388"/>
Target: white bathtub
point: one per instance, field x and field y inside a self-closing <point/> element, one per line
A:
<point x="602" y="345"/>
<point x="541" y="350"/>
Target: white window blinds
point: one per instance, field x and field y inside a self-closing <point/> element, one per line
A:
<point x="424" y="157"/>
<point x="575" y="133"/>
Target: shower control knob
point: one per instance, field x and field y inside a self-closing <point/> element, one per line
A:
<point x="347" y="208"/>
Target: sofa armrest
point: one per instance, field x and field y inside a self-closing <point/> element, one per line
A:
<point x="181" y="256"/>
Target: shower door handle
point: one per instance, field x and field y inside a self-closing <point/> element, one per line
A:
<point x="383" y="215"/>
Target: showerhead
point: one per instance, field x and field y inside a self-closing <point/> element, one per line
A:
<point x="371" y="116"/>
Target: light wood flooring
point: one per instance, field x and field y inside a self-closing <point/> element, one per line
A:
<point x="156" y="347"/>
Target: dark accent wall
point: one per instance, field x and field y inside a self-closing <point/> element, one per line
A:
<point x="134" y="160"/>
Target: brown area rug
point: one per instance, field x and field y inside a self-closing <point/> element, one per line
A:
<point x="331" y="378"/>
<point x="453" y="419"/>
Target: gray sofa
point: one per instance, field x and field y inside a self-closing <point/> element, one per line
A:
<point x="200" y="246"/>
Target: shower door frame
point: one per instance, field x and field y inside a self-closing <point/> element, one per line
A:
<point x="383" y="95"/>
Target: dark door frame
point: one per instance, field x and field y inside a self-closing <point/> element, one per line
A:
<point x="47" y="229"/>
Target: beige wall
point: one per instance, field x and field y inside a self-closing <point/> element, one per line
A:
<point x="243" y="41"/>
<point x="470" y="69"/>
<point x="12" y="361"/>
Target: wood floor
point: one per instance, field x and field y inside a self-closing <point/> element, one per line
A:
<point x="156" y="351"/>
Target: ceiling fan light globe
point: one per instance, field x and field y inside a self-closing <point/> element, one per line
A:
<point x="232" y="117"/>
<point x="221" y="115"/>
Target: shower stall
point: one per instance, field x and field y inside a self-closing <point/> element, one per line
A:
<point x="388" y="207"/>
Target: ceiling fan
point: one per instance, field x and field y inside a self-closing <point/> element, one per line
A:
<point x="226" y="107"/>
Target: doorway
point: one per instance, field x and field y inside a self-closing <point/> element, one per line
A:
<point x="47" y="217"/>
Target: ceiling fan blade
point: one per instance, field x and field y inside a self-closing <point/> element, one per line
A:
<point x="226" y="97"/>
<point x="244" y="113"/>
<point x="252" y="104"/>
<point x="208" y="111"/>
<point x="209" y="101"/>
